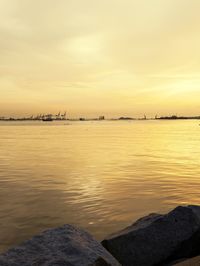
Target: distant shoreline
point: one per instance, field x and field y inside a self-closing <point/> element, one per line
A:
<point x="11" y="119"/>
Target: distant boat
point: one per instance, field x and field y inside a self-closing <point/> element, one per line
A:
<point x="47" y="119"/>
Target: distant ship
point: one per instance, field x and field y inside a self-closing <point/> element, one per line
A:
<point x="47" y="119"/>
<point x="51" y="117"/>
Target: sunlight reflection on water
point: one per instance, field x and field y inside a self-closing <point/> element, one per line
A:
<point x="98" y="175"/>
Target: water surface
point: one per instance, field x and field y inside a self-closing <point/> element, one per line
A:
<point x="98" y="175"/>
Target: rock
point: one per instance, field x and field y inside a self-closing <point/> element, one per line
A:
<point x="191" y="262"/>
<point x="63" y="246"/>
<point x="158" y="239"/>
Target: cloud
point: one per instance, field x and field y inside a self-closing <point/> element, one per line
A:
<point x="124" y="52"/>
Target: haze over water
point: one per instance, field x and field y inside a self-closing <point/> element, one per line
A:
<point x="98" y="175"/>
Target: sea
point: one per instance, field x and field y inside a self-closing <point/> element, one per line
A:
<point x="98" y="175"/>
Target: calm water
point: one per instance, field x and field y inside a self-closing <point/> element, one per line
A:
<point x="98" y="175"/>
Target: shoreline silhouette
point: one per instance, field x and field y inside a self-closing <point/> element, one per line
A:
<point x="60" y="117"/>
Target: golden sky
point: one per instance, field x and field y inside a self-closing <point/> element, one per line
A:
<point x="93" y="57"/>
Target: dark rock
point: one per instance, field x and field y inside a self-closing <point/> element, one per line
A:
<point x="190" y="262"/>
<point x="64" y="246"/>
<point x="158" y="239"/>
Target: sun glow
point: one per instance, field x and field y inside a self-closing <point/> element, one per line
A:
<point x="122" y="57"/>
<point x="87" y="49"/>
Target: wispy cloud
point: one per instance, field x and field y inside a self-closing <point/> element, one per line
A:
<point x="111" y="55"/>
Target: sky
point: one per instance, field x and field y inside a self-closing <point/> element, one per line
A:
<point x="108" y="57"/>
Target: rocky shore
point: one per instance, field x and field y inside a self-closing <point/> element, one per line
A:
<point x="157" y="239"/>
